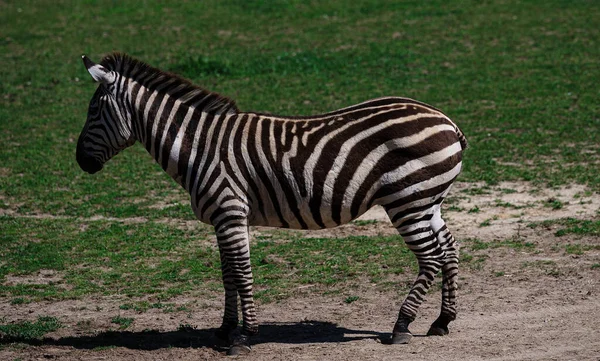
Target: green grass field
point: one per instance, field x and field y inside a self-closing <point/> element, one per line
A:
<point x="519" y="78"/>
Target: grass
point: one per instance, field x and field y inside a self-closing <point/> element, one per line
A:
<point x="519" y="78"/>
<point x="351" y="299"/>
<point x="143" y="306"/>
<point x="156" y="260"/>
<point x="123" y="322"/>
<point x="514" y="243"/>
<point x="571" y="226"/>
<point x="553" y="203"/>
<point x="366" y="222"/>
<point x="549" y="267"/>
<point x="26" y="330"/>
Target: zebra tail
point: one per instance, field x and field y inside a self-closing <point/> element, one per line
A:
<point x="461" y="138"/>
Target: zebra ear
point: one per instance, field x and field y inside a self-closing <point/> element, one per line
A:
<point x="97" y="71"/>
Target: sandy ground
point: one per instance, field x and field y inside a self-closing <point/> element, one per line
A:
<point x="539" y="304"/>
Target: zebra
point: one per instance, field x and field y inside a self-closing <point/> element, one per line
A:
<point x="247" y="169"/>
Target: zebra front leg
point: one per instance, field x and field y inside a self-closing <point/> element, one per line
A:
<point x="449" y="286"/>
<point x="230" y="315"/>
<point x="420" y="239"/>
<point x="234" y="245"/>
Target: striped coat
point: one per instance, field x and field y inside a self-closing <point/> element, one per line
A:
<point x="245" y="168"/>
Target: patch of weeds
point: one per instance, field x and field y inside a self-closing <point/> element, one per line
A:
<point x="487" y="222"/>
<point x="143" y="306"/>
<point x="572" y="226"/>
<point x="579" y="249"/>
<point x="474" y="210"/>
<point x="499" y="274"/>
<point x="26" y="330"/>
<point x="454" y="208"/>
<point x="515" y="243"/>
<point x="351" y="299"/>
<point x="586" y="193"/>
<point x="465" y="257"/>
<point x="575" y="249"/>
<point x="500" y="203"/>
<point x="473" y="262"/>
<point x="554" y="203"/>
<point x="123" y="322"/>
<point x="477" y="264"/>
<point x="365" y="222"/>
<point x="548" y="266"/>
<point x="18" y="301"/>
<point x="507" y="190"/>
<point x="539" y="263"/>
<point x="595" y="266"/>
<point x="332" y="292"/>
<point x="85" y="324"/>
<point x="476" y="191"/>
<point x="478" y="244"/>
<point x="580" y="227"/>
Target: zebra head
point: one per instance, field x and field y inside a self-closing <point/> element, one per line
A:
<point x="108" y="128"/>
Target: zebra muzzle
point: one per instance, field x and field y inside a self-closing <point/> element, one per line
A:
<point x="88" y="163"/>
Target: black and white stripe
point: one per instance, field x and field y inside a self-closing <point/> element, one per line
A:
<point x="244" y="168"/>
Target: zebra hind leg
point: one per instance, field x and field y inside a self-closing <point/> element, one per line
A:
<point x="450" y="275"/>
<point x="419" y="237"/>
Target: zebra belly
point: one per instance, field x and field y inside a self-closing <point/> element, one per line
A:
<point x="400" y="190"/>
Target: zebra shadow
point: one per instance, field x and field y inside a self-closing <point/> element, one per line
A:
<point x="188" y="337"/>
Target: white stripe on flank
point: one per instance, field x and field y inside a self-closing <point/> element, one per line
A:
<point x="316" y="154"/>
<point x="421" y="186"/>
<point x="369" y="162"/>
<point x="397" y="174"/>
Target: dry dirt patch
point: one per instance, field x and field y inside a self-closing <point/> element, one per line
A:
<point x="534" y="303"/>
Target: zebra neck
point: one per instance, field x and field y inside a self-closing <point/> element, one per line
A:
<point x="178" y="136"/>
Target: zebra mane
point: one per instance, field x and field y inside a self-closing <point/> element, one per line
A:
<point x="150" y="77"/>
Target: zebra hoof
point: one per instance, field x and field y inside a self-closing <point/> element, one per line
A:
<point x="238" y="350"/>
<point x="239" y="346"/>
<point x="401" y="338"/>
<point x="437" y="331"/>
